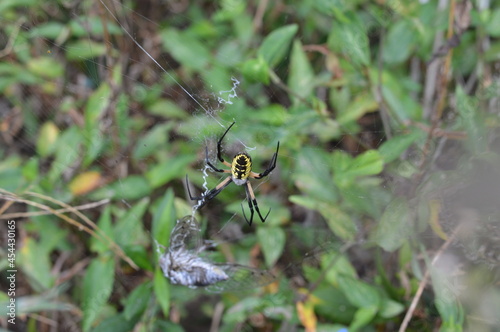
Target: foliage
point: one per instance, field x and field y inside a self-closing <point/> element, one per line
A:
<point x="387" y="118"/>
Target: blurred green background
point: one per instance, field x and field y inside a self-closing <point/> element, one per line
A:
<point x="385" y="200"/>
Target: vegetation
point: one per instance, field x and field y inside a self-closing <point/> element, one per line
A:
<point x="384" y="203"/>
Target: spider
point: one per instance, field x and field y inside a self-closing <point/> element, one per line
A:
<point x="240" y="172"/>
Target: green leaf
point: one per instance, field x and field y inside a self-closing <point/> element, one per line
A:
<point x="347" y="170"/>
<point x="362" y="317"/>
<point x="169" y="170"/>
<point x="101" y="246"/>
<point x="186" y="49"/>
<point x="45" y="67"/>
<point x="396" y="95"/>
<point x="400" y="42"/>
<point x="85" y="49"/>
<point x="272" y="241"/>
<point x="349" y="38"/>
<point x="49" y="30"/>
<point x="137" y="301"/>
<point x="131" y="187"/>
<point x="391" y="149"/>
<point x="95" y="139"/>
<point x="162" y="291"/>
<point x="67" y="152"/>
<point x="164" y="218"/>
<point x="395" y="225"/>
<point x="312" y="175"/>
<point x="361" y="105"/>
<point x="339" y="222"/>
<point x="97" y="287"/>
<point x="493" y="26"/>
<point x="35" y="262"/>
<point x="256" y="70"/>
<point x="275" y="46"/>
<point x="129" y="229"/>
<point x="301" y="79"/>
<point x="167" y="109"/>
<point x="390" y="308"/>
<point x="359" y="293"/>
<point x="47" y="138"/>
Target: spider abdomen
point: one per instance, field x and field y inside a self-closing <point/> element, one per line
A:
<point x="241" y="167"/>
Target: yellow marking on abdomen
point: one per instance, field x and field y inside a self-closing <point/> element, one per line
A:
<point x="241" y="166"/>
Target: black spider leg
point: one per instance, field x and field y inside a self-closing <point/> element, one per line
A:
<point x="203" y="199"/>
<point x="272" y="164"/>
<point x="252" y="202"/>
<point x="211" y="165"/>
<point x="219" y="143"/>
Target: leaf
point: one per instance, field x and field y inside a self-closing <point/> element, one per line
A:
<point x="137" y="300"/>
<point x="391" y="149"/>
<point x="272" y="241"/>
<point x="162" y="291"/>
<point x="390" y="308"/>
<point x="435" y="208"/>
<point x="256" y="70"/>
<point x="131" y="187"/>
<point x="101" y="246"/>
<point x="312" y="175"/>
<point x="84" y="49"/>
<point x="47" y="138"/>
<point x="396" y="95"/>
<point x="346" y="170"/>
<point x="401" y="39"/>
<point x="361" y="105"/>
<point x="186" y="48"/>
<point x="359" y="293"/>
<point x="85" y="182"/>
<point x="305" y="311"/>
<point x="97" y="287"/>
<point x="45" y="67"/>
<point x="67" y="152"/>
<point x="301" y="78"/>
<point x="493" y="26"/>
<point x="164" y="218"/>
<point x="168" y="170"/>
<point x="35" y="262"/>
<point x="348" y="37"/>
<point x="129" y="229"/>
<point x="395" y="225"/>
<point x="275" y="46"/>
<point x="362" y="317"/>
<point x="338" y="221"/>
<point x="97" y="103"/>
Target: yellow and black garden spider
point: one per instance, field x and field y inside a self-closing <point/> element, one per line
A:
<point x="241" y="170"/>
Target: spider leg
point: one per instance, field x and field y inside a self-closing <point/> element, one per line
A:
<point x="220" y="170"/>
<point x="211" y="194"/>
<point x="219" y="143"/>
<point x="272" y="165"/>
<point x="252" y="202"/>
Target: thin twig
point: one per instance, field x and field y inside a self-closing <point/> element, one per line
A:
<point x="424" y="281"/>
<point x="42" y="213"/>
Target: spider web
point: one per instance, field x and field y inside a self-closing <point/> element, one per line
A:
<point x="152" y="74"/>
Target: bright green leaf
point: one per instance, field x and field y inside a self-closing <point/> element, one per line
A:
<point x="169" y="170"/>
<point x="275" y="46"/>
<point x="391" y="149"/>
<point x="301" y="78"/>
<point x="162" y="290"/>
<point x="97" y="287"/>
<point x="272" y="241"/>
<point x="137" y="300"/>
<point x="46" y="67"/>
